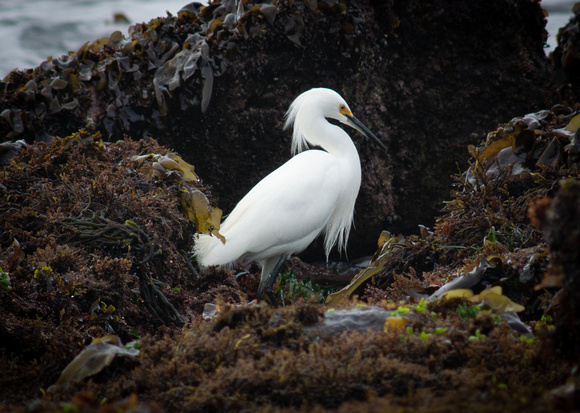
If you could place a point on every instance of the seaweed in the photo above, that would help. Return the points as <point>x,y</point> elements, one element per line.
<point>261,358</point>
<point>123,84</point>
<point>91,244</point>
<point>95,236</point>
<point>85,221</point>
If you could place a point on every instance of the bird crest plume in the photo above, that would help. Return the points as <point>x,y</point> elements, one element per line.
<point>299,142</point>
<point>302,112</point>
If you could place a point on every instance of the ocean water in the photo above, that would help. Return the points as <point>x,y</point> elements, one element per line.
<point>559,13</point>
<point>32,30</point>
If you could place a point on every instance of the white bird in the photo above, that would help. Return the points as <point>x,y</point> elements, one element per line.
<point>314,192</point>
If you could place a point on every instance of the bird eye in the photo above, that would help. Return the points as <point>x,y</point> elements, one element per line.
<point>344,110</point>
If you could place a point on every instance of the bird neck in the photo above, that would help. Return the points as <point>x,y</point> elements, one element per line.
<point>339,144</point>
<point>332,138</point>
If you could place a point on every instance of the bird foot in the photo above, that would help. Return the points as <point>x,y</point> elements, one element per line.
<point>268,296</point>
<point>272,299</point>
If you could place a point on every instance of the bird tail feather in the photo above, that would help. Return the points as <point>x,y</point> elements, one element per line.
<point>209,250</point>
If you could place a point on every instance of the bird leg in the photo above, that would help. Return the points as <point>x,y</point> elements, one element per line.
<point>267,286</point>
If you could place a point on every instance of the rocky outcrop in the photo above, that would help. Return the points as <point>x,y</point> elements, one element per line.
<point>214,83</point>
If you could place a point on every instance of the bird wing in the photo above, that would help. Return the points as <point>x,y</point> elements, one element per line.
<point>285,211</point>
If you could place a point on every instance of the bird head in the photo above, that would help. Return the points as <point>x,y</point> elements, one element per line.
<point>346,117</point>
<point>322,103</point>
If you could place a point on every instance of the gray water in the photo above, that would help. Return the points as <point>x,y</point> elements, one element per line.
<point>32,30</point>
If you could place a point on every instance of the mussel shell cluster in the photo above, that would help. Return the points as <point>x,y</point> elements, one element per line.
<point>128,84</point>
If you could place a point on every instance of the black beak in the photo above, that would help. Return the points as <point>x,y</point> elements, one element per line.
<point>358,125</point>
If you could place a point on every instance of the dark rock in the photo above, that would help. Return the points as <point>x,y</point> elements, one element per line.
<point>561,225</point>
<point>427,79</point>
<point>566,60</point>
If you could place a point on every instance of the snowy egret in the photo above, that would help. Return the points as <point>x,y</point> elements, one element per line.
<point>314,191</point>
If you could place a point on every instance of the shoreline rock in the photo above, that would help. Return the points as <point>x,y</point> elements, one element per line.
<point>83,220</point>
<point>426,80</point>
